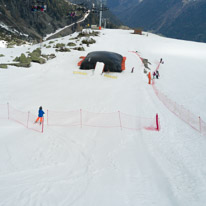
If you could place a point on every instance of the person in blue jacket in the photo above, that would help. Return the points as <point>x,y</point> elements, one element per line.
<point>40,115</point>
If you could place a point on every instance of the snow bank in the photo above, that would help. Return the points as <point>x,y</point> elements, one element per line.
<point>3,44</point>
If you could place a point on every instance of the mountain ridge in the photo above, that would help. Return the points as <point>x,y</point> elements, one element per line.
<point>179,19</point>
<point>17,15</point>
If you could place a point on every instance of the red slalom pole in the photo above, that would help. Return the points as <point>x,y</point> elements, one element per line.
<point>157,122</point>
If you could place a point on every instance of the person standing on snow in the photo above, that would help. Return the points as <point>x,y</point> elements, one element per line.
<point>40,115</point>
<point>161,61</point>
<point>149,77</point>
<point>157,74</point>
<point>154,75</point>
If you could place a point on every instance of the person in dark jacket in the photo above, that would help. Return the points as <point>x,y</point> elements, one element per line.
<point>157,74</point>
<point>40,115</point>
<point>154,75</point>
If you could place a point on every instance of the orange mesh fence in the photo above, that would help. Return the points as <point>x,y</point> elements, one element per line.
<point>105,120</point>
<point>18,116</point>
<point>202,127</point>
<point>24,118</point>
<point>137,123</point>
<point>68,118</point>
<point>4,111</point>
<point>187,116</point>
<point>158,66</point>
<point>79,118</point>
<point>138,56</point>
<point>100,119</point>
<point>34,126</point>
<point>180,111</point>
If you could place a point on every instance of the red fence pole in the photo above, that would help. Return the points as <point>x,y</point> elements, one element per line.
<point>157,122</point>
<point>120,122</point>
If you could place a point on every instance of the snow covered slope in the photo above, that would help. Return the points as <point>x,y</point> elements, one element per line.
<point>105,166</point>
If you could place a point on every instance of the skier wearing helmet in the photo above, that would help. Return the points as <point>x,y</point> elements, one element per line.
<point>40,115</point>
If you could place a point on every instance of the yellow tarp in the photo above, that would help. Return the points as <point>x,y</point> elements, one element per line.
<point>82,73</point>
<point>110,76</point>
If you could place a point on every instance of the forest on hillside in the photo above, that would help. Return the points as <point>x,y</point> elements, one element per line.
<point>18,15</point>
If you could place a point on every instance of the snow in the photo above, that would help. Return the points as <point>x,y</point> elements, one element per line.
<point>11,29</point>
<point>3,44</point>
<point>105,166</point>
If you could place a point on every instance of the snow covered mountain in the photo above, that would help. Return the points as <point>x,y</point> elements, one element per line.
<point>182,19</point>
<point>77,160</point>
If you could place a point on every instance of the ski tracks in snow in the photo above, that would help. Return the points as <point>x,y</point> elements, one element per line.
<point>174,153</point>
<point>139,173</point>
<point>63,166</point>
